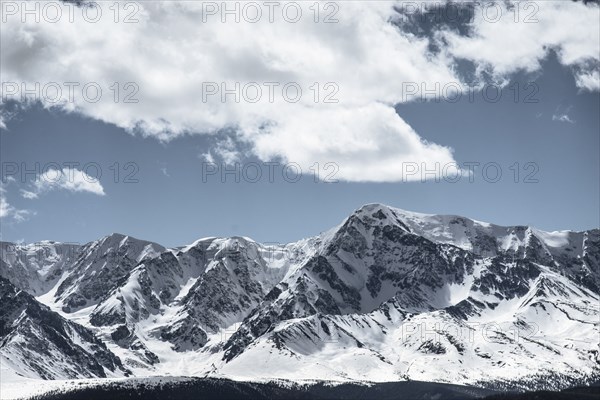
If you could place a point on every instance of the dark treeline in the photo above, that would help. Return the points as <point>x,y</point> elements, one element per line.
<point>222,389</point>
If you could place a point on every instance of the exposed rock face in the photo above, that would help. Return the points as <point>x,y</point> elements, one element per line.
<point>99,267</point>
<point>41,343</point>
<point>36,267</point>
<point>383,296</point>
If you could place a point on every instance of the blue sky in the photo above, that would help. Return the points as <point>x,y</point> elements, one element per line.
<point>554,139</point>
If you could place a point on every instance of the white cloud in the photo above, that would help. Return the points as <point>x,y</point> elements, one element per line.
<point>562,118</point>
<point>501,46</point>
<point>26,194</point>
<point>381,156</point>
<point>70,179</point>
<point>22,215</point>
<point>207,157</point>
<point>227,150</point>
<point>9,212</point>
<point>5,116</point>
<point>562,114</point>
<point>588,80</point>
<point>5,208</point>
<point>171,53</point>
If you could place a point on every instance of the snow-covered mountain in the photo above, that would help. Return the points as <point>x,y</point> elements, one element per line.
<point>98,268</point>
<point>36,267</point>
<point>37,342</point>
<point>387,295</point>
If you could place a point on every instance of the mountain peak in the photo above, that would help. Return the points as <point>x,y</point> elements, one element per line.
<point>374,210</point>
<point>374,207</point>
<point>118,240</point>
<point>377,214</point>
<point>379,208</point>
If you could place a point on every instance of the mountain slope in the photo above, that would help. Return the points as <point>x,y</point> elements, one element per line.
<point>396,300</point>
<point>181,297</point>
<point>37,342</point>
<point>100,266</point>
<point>36,267</point>
<point>387,295</point>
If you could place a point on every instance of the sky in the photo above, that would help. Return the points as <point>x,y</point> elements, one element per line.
<point>492,115</point>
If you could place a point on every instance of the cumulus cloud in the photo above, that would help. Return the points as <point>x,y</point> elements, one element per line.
<point>4,206</point>
<point>588,80</point>
<point>382,155</point>
<point>9,212</point>
<point>226,149</point>
<point>70,179</point>
<point>5,116</point>
<point>500,46</point>
<point>350,73</point>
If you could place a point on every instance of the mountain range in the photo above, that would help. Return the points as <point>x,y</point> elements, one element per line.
<point>388,295</point>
